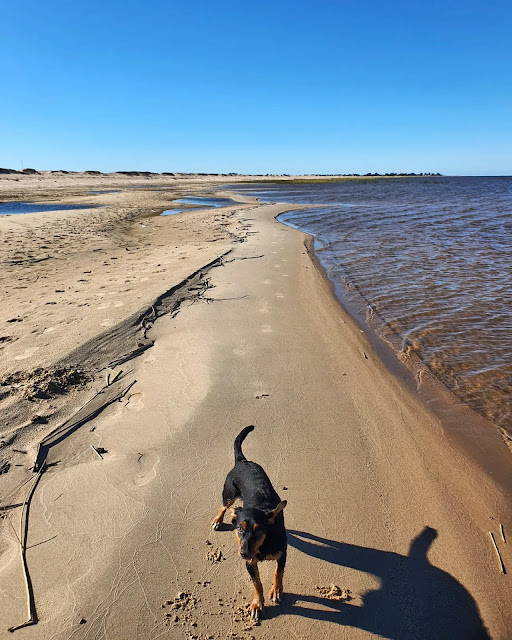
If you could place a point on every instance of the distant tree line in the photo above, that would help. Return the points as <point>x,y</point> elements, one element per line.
<point>283,175</point>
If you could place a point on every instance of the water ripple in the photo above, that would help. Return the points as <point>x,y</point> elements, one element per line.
<point>432,259</point>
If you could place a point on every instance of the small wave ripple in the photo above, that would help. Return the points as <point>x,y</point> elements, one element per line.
<point>432,260</point>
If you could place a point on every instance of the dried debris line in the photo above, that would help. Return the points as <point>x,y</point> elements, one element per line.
<point>190,289</point>
<point>105,397</point>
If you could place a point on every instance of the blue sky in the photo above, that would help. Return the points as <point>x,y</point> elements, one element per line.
<point>292,87</point>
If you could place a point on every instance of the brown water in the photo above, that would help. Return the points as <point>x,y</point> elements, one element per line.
<point>431,261</point>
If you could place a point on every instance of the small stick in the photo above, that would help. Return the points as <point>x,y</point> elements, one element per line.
<point>502,566</point>
<point>32,614</point>
<point>502,530</point>
<point>11,506</point>
<point>96,451</point>
<point>116,377</point>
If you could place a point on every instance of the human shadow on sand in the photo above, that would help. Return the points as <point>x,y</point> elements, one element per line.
<point>416,601</point>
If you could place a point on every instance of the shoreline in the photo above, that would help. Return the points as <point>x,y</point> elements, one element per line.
<point>365,465</point>
<point>480,439</point>
<point>477,436</point>
<point>460,354</point>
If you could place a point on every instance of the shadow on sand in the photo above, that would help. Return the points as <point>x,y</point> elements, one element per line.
<point>416,601</point>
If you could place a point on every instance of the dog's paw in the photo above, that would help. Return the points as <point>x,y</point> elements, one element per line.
<point>257,610</point>
<point>216,524</point>
<point>275,594</point>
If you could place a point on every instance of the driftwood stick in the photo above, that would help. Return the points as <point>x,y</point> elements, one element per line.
<point>11,506</point>
<point>502,531</point>
<point>500,561</point>
<point>96,451</point>
<point>31,605</point>
<point>116,376</point>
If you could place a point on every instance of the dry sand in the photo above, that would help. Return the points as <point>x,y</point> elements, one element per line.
<point>388,520</point>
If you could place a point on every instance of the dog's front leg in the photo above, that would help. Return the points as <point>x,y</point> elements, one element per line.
<point>258,600</point>
<point>219,518</point>
<point>277,585</point>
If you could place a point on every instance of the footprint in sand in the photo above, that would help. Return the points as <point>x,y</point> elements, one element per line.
<point>147,463</point>
<point>27,353</point>
<point>277,266</point>
<point>284,275</point>
<point>264,307</point>
<point>267,282</point>
<point>266,328</point>
<point>280,296</point>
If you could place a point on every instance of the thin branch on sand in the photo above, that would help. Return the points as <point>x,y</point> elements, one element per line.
<point>96,451</point>
<point>500,561</point>
<point>117,374</point>
<point>11,506</point>
<point>244,258</point>
<point>31,605</point>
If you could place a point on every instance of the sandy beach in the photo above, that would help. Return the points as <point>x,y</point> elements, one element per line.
<point>133,349</point>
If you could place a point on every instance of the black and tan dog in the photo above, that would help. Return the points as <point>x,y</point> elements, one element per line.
<point>259,524</point>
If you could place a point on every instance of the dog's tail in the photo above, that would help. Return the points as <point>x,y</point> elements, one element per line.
<point>238,443</point>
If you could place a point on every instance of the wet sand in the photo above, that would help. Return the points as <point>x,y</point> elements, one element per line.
<point>380,502</point>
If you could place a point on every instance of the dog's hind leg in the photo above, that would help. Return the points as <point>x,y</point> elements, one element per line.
<point>258,600</point>
<point>277,585</point>
<point>229,494</point>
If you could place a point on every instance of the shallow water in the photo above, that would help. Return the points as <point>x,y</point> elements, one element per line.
<point>10,208</point>
<point>430,261</point>
<point>206,201</point>
<point>203,202</point>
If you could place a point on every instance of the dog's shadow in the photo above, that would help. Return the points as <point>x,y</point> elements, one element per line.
<point>416,600</point>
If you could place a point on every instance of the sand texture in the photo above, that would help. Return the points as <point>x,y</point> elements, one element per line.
<point>218,319</point>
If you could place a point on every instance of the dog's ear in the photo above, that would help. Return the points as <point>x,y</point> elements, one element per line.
<point>271,515</point>
<point>234,514</point>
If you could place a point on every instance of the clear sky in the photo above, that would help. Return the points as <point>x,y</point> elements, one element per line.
<point>281,86</point>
